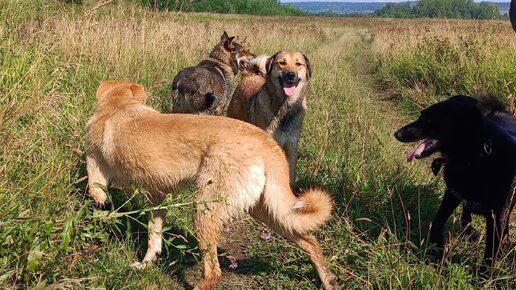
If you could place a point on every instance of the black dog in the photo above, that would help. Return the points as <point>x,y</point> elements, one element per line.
<point>477,140</point>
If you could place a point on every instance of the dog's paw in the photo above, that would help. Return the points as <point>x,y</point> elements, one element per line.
<point>470,234</point>
<point>435,255</point>
<point>106,205</point>
<point>331,282</point>
<point>100,198</point>
<point>140,265</point>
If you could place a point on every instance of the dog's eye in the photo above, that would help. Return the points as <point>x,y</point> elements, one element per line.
<point>282,62</point>
<point>298,64</point>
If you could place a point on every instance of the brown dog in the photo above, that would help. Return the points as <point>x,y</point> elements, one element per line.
<point>205,88</point>
<point>236,166</point>
<point>253,78</point>
<point>275,102</point>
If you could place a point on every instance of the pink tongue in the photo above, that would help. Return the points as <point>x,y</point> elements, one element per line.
<point>289,91</point>
<point>413,153</point>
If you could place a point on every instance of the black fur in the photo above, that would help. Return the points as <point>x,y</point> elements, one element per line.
<point>477,140</point>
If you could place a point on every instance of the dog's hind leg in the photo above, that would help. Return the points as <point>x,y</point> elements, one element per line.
<point>308,243</point>
<point>98,174</point>
<point>209,226</point>
<point>155,227</point>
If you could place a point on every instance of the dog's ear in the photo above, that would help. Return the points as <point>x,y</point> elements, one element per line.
<point>224,36</point>
<point>139,92</point>
<point>308,66</point>
<point>104,87</point>
<point>229,44</point>
<point>270,62</point>
<point>472,115</point>
<point>466,121</point>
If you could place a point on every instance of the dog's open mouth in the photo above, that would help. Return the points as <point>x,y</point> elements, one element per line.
<point>289,87</point>
<point>242,64</point>
<point>425,149</point>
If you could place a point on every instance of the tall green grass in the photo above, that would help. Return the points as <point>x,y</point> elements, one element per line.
<point>444,59</point>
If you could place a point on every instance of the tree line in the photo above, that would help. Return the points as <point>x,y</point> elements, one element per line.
<point>466,9</point>
<point>256,7</point>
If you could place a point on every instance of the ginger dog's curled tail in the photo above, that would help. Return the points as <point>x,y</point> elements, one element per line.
<point>312,209</point>
<point>301,214</point>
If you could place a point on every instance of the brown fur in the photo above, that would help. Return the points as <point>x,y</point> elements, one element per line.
<point>205,88</point>
<point>250,83</point>
<point>262,101</point>
<point>236,166</point>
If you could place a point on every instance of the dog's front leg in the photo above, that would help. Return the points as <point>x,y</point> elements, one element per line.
<point>156,222</point>
<point>209,227</point>
<point>98,174</point>
<point>448,205</point>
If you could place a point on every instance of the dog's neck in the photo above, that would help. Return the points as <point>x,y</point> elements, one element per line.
<point>477,149</point>
<point>281,105</point>
<point>222,56</point>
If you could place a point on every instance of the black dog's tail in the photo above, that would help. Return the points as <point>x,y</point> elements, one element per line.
<point>489,104</point>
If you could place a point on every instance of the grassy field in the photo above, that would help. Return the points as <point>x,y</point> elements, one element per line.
<point>370,77</point>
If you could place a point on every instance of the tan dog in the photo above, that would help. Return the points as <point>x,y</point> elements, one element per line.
<point>275,102</point>
<point>206,87</point>
<point>236,166</point>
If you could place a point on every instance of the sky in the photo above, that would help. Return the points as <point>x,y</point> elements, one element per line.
<point>287,1</point>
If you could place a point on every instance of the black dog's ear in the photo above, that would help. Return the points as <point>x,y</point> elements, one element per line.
<point>308,66</point>
<point>270,62</point>
<point>469,121</point>
<point>224,36</point>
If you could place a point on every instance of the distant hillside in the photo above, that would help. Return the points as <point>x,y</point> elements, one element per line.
<point>338,7</point>
<point>504,7</point>
<point>357,7</point>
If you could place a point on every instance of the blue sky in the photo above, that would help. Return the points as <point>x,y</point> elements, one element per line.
<point>286,1</point>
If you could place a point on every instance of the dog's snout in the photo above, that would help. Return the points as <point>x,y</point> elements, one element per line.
<point>290,76</point>
<point>398,135</point>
